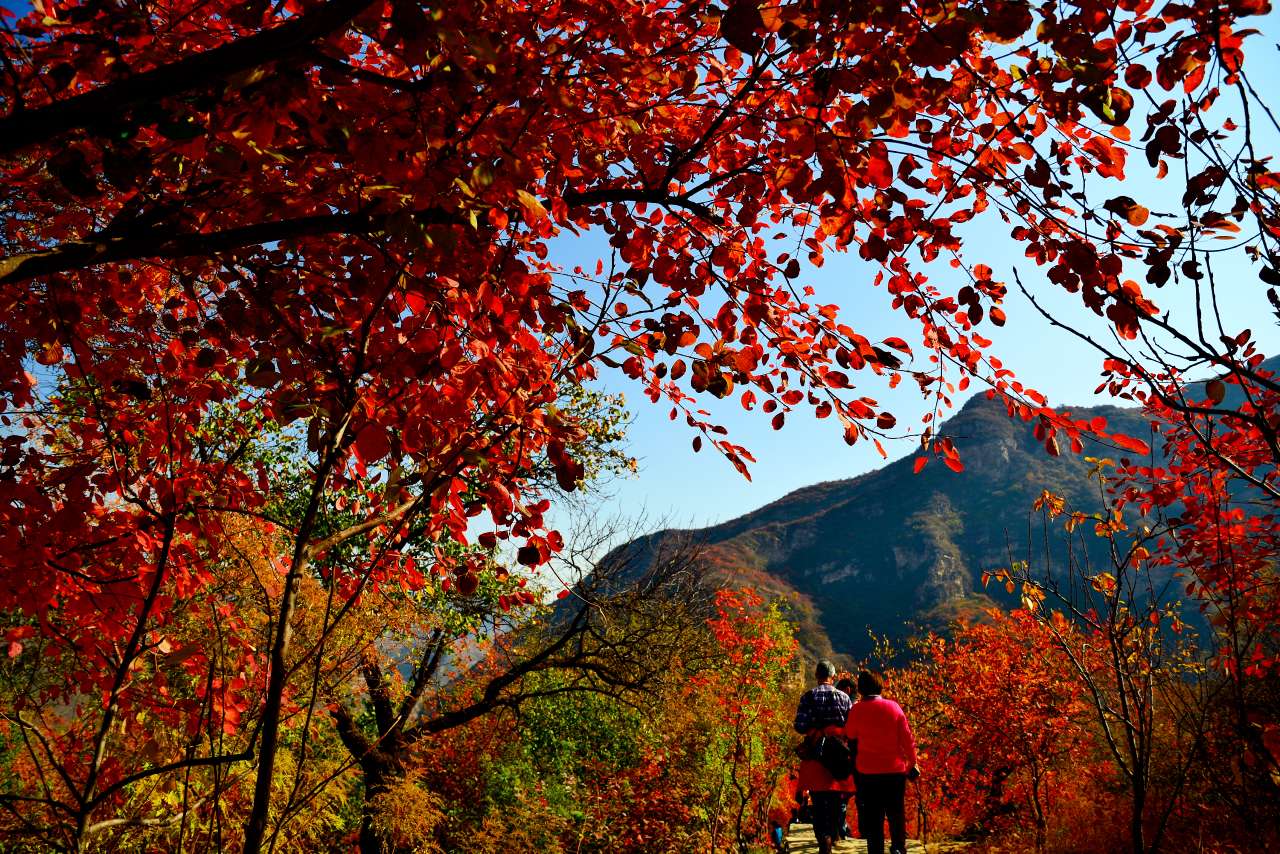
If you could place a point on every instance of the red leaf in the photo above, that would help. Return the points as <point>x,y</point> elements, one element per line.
<point>372,443</point>
<point>740,25</point>
<point>879,171</point>
<point>1128,209</point>
<point>1131,444</point>
<point>468,583</point>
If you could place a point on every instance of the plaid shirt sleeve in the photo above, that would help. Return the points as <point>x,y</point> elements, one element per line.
<point>821,707</point>
<point>804,712</point>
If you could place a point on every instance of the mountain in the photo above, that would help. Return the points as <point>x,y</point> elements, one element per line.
<point>892,550</point>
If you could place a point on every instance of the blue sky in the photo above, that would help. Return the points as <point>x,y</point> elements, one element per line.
<point>682,488</point>
<point>678,487</point>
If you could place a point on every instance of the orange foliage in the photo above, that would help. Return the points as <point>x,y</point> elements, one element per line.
<point>1007,748</point>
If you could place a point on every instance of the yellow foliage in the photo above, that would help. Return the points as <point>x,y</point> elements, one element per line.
<point>406,817</point>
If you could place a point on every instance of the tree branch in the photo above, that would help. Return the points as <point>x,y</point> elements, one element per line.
<point>491,697</point>
<point>423,673</point>
<point>27,127</point>
<point>101,248</point>
<point>626,194</point>
<point>349,733</point>
<point>378,694</point>
<point>245,755</point>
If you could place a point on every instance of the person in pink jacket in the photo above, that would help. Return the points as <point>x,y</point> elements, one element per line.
<point>886,759</point>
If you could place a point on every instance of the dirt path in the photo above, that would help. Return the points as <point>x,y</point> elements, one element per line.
<point>802,841</point>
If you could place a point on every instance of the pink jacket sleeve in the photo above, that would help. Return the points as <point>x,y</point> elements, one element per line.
<point>906,741</point>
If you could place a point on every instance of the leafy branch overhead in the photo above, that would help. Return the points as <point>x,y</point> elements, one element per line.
<point>250,245</point>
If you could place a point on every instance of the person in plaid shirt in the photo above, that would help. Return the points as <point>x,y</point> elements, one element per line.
<point>822,711</point>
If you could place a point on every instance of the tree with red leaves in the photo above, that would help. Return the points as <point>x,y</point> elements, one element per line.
<point>1178,698</point>
<point>333,218</point>
<point>1005,727</point>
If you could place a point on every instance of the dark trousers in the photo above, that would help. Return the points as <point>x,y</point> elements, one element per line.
<point>828,814</point>
<point>882,796</point>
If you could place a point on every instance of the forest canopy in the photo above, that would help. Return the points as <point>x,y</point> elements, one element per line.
<point>290,381</point>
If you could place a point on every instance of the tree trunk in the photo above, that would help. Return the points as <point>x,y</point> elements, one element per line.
<point>381,769</point>
<point>380,774</point>
<point>256,828</point>
<point>375,782</point>
<point>1038,810</point>
<point>1135,820</point>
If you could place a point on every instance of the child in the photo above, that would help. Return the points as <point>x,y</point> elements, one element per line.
<point>782,811</point>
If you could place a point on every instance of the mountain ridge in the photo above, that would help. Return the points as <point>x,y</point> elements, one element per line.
<point>890,550</point>
<point>890,547</point>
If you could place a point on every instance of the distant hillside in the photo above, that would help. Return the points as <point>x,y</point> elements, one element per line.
<point>891,550</point>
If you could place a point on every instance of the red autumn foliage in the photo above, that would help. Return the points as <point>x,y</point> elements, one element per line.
<point>1008,748</point>
<point>331,219</point>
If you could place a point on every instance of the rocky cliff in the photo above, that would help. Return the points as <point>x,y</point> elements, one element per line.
<point>891,551</point>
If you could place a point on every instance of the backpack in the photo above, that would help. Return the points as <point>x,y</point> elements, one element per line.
<point>836,755</point>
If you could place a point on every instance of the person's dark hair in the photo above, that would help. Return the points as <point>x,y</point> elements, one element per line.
<point>824,671</point>
<point>845,685</point>
<point>870,683</point>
